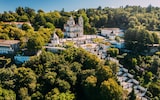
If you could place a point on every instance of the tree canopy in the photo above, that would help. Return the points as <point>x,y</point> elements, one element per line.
<point>52,76</point>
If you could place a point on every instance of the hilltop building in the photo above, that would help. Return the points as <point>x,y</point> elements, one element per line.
<point>73,30</point>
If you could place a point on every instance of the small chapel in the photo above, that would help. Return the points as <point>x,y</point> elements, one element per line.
<point>54,40</point>
<point>72,29</point>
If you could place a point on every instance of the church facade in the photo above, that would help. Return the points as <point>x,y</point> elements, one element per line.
<point>72,29</point>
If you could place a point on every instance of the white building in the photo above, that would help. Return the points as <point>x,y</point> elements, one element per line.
<point>9,46</point>
<point>111,33</point>
<point>72,30</point>
<point>54,49</point>
<point>55,39</point>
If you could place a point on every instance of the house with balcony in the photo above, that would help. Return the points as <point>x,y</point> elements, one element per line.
<point>9,46</point>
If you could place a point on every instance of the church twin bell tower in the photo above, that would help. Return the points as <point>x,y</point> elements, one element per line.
<point>72,29</point>
<point>80,21</point>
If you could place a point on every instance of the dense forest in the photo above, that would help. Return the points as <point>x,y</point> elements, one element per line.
<point>75,73</point>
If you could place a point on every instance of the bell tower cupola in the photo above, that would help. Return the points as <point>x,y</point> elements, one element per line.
<point>71,21</point>
<point>80,21</point>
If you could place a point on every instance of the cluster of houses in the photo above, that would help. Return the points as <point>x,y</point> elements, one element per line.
<point>128,83</point>
<point>86,42</point>
<point>96,49</point>
<point>74,32</point>
<point>10,47</point>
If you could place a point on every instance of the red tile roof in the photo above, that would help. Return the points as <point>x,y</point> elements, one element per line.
<point>8,42</point>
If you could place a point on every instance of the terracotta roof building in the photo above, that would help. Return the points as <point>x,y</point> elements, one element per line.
<point>9,46</point>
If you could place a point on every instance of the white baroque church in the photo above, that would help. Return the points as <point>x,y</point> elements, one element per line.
<point>72,29</point>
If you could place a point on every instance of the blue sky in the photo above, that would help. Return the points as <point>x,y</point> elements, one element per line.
<point>69,5</point>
